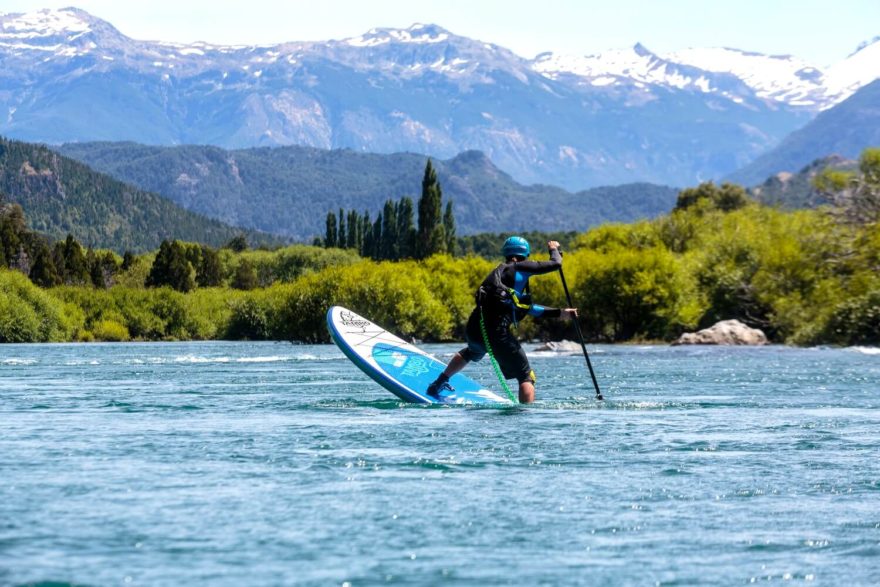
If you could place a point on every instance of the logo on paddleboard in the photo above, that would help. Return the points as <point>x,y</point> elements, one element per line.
<point>415,366</point>
<point>397,361</point>
<point>353,320</point>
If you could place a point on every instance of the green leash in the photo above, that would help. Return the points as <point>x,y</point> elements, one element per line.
<point>493,361</point>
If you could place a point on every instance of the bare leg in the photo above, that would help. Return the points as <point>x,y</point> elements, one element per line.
<point>526,392</point>
<point>455,365</point>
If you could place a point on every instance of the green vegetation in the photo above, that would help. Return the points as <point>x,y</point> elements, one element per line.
<point>804,277</point>
<point>488,244</point>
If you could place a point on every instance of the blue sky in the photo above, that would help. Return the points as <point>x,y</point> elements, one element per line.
<point>817,30</point>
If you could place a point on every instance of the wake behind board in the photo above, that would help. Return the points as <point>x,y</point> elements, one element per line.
<point>398,366</point>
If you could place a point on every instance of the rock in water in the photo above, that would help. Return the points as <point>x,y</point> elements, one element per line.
<point>724,332</point>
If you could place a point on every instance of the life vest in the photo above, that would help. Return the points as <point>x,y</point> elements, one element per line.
<point>498,298</point>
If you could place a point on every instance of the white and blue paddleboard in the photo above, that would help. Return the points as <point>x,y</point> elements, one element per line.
<point>398,366</point>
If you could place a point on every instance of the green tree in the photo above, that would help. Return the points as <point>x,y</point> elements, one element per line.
<point>330,234</point>
<point>449,229</point>
<point>76,270</point>
<point>366,247</point>
<point>245,276</point>
<point>96,277</point>
<point>172,268</point>
<point>406,231</point>
<point>237,244</point>
<point>127,260</point>
<point>390,245</point>
<point>727,197</point>
<point>43,271</point>
<point>354,236</point>
<point>12,228</point>
<point>341,239</point>
<point>210,271</point>
<point>430,238</point>
<point>634,294</point>
<point>376,240</point>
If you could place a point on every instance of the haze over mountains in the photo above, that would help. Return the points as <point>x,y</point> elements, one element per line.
<point>622,116</point>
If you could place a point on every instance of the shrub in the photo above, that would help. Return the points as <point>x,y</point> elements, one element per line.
<point>110,331</point>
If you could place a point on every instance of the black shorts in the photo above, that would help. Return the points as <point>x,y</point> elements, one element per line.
<point>506,348</point>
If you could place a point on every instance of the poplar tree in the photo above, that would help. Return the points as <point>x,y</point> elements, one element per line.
<point>449,229</point>
<point>430,238</point>
<point>406,232</point>
<point>376,253</point>
<point>340,235</point>
<point>354,225</point>
<point>330,233</point>
<point>366,232</point>
<point>390,247</point>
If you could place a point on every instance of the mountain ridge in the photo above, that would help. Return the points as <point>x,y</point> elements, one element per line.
<point>844,130</point>
<point>73,77</point>
<point>289,190</point>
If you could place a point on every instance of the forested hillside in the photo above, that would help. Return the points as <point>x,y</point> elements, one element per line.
<point>287,190</point>
<point>61,196</point>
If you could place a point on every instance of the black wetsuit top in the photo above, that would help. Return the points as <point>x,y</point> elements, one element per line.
<point>499,312</point>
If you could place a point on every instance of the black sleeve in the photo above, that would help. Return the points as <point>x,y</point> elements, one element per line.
<point>541,267</point>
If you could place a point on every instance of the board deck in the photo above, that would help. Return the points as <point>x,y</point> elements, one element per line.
<point>398,366</point>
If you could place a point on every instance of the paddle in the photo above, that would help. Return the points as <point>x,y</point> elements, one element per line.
<point>577,328</point>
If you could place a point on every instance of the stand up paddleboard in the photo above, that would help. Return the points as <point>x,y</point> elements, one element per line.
<point>398,366</point>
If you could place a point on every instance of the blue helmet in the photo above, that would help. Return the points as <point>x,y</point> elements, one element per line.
<point>516,246</point>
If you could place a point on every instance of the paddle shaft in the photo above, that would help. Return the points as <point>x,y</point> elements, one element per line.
<point>577,328</point>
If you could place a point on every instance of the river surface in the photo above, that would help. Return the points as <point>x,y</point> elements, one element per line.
<point>274,464</point>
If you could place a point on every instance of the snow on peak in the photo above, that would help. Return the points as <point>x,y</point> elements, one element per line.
<point>788,79</point>
<point>44,23</point>
<point>776,77</point>
<point>417,33</point>
<point>619,62</point>
<point>635,64</point>
<point>861,68</point>
<point>865,44</point>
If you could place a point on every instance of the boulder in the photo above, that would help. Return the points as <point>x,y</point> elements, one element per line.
<point>724,332</point>
<point>563,346</point>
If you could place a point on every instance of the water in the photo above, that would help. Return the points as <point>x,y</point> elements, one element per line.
<point>269,464</point>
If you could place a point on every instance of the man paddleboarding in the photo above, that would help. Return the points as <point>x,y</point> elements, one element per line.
<point>502,300</point>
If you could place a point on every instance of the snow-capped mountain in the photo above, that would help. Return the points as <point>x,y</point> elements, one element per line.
<point>640,67</point>
<point>782,78</point>
<point>788,79</point>
<point>621,116</point>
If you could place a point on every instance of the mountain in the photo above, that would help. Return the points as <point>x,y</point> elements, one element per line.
<point>795,190</point>
<point>62,196</point>
<point>845,130</point>
<point>620,117</point>
<point>289,190</point>
<point>787,79</point>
